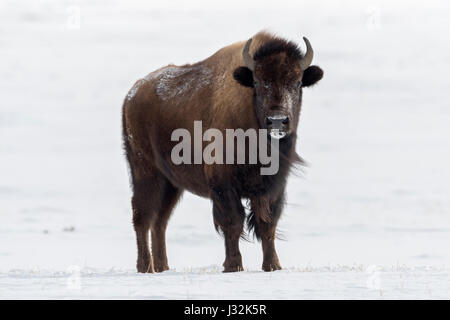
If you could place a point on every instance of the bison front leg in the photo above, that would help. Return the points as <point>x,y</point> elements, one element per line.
<point>229,216</point>
<point>263,220</point>
<point>270,257</point>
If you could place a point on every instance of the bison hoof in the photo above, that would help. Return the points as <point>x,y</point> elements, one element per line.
<point>271,267</point>
<point>143,267</point>
<point>233,264</point>
<point>145,270</point>
<point>233,269</point>
<point>161,268</point>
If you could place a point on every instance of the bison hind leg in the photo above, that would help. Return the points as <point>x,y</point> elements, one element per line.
<point>143,217</point>
<point>169,196</point>
<point>153,201</point>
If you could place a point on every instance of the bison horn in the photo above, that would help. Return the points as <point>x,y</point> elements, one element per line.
<point>246,55</point>
<point>305,62</point>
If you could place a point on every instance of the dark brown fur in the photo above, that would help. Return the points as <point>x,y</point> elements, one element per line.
<point>220,93</point>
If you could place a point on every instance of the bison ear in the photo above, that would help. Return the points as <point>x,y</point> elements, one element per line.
<point>244,76</point>
<point>311,75</point>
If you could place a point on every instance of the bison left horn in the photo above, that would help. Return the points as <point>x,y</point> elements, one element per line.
<point>248,61</point>
<point>305,62</point>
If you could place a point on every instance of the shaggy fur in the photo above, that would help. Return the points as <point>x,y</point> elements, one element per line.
<point>276,46</point>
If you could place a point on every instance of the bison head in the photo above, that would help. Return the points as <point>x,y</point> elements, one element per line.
<point>277,73</point>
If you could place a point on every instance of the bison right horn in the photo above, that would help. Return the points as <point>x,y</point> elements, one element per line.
<point>246,55</point>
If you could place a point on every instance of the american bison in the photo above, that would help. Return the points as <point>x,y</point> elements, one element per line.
<point>255,84</point>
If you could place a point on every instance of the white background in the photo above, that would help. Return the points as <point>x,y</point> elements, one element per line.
<point>368,218</point>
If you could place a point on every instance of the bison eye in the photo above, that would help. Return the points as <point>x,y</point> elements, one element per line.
<point>299,84</point>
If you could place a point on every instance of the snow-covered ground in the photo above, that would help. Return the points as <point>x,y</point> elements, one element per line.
<point>369,217</point>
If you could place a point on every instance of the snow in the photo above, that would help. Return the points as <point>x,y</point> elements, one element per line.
<point>209,283</point>
<point>193,78</point>
<point>368,218</point>
<point>135,88</point>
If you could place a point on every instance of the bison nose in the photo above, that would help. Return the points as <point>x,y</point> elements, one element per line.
<point>278,126</point>
<point>277,122</point>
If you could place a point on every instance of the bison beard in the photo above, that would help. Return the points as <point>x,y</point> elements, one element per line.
<point>241,86</point>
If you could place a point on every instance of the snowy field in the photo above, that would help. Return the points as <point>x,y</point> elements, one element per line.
<point>369,218</point>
